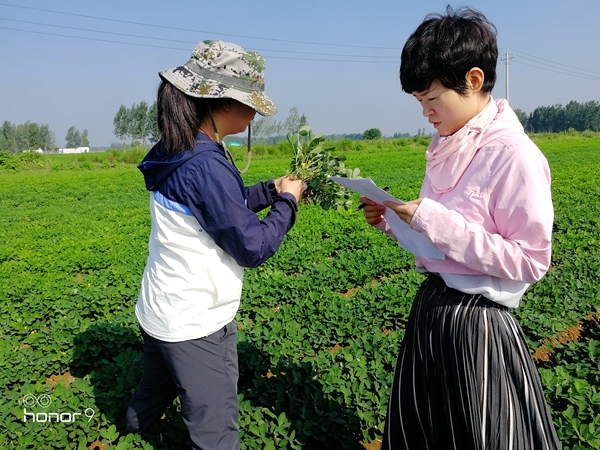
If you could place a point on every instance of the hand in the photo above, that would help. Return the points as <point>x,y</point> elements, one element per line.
<point>373,212</point>
<point>405,211</point>
<point>278,184</point>
<point>294,187</point>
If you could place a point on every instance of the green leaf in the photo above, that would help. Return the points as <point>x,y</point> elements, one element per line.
<point>304,130</point>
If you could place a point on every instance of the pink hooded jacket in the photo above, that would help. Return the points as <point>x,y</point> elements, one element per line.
<point>495,225</point>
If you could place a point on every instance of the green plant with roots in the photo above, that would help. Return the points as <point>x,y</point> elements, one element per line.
<point>313,163</point>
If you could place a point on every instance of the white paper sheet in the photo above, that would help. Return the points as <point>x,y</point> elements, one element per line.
<point>409,239</point>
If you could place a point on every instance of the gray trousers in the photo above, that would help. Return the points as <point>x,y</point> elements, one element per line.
<point>203,373</point>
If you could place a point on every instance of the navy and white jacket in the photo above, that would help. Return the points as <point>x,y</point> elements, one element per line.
<point>204,232</point>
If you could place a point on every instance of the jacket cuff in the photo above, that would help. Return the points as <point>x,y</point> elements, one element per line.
<point>272,189</point>
<point>422,215</point>
<point>288,198</point>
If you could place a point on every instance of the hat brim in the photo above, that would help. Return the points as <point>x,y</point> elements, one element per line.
<point>195,85</point>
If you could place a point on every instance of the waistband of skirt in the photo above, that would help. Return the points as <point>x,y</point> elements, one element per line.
<point>435,281</point>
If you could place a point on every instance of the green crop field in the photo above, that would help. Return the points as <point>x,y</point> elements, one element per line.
<point>320,322</point>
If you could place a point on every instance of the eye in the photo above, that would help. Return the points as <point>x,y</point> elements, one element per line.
<point>431,99</point>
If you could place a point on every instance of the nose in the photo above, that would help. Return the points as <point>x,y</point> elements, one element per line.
<point>427,111</point>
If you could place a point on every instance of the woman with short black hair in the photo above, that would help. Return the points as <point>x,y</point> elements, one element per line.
<point>465,378</point>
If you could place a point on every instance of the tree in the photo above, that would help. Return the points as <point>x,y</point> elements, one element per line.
<point>84,139</point>
<point>265,127</point>
<point>6,137</point>
<point>152,124</point>
<point>25,137</point>
<point>583,116</point>
<point>138,122</point>
<point>372,133</point>
<point>46,137</point>
<point>303,120</point>
<point>575,116</point>
<point>33,134</point>
<point>7,130</point>
<point>522,116</point>
<point>572,116</point>
<point>591,115</point>
<point>21,138</point>
<point>292,122</point>
<point>73,138</point>
<point>7,143</point>
<point>121,124</point>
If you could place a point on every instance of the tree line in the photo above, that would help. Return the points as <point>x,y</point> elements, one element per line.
<point>139,123</point>
<point>75,139</point>
<point>24,137</point>
<point>31,136</point>
<point>267,127</point>
<point>557,118</point>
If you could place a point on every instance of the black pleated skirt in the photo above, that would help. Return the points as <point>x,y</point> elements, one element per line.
<point>465,379</point>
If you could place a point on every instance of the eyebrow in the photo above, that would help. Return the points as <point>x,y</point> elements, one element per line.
<point>424,93</point>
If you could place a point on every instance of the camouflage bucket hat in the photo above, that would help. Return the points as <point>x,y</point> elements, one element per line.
<point>220,69</point>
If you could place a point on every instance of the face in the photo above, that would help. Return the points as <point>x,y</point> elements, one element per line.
<point>241,116</point>
<point>447,110</point>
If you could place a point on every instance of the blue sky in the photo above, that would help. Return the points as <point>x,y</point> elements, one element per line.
<point>73,63</point>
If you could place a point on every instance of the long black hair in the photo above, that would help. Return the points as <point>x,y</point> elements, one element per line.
<point>446,47</point>
<point>180,116</point>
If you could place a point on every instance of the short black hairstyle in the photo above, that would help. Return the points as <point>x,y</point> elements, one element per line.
<point>446,47</point>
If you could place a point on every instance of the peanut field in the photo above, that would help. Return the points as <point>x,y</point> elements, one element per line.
<point>320,322</point>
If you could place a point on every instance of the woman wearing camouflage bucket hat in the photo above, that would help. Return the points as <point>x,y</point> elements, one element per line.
<point>205,230</point>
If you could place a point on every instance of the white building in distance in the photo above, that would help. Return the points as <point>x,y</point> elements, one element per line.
<point>74,150</point>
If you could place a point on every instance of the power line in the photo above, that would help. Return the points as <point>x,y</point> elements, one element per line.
<point>572,74</point>
<point>552,63</point>
<point>95,31</point>
<point>571,71</point>
<point>186,49</point>
<point>198,31</point>
<point>93,39</point>
<point>394,58</point>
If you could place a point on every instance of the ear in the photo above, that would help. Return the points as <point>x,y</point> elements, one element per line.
<point>475,79</point>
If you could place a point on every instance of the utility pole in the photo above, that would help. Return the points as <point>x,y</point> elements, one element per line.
<point>506,60</point>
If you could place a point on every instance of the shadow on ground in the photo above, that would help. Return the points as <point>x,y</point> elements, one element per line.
<point>111,354</point>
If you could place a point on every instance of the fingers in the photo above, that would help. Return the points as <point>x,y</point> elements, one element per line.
<point>394,206</point>
<point>278,184</point>
<point>372,211</point>
<point>290,183</point>
<point>304,186</point>
<point>405,211</point>
<point>366,201</point>
<point>294,187</point>
<point>373,219</point>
